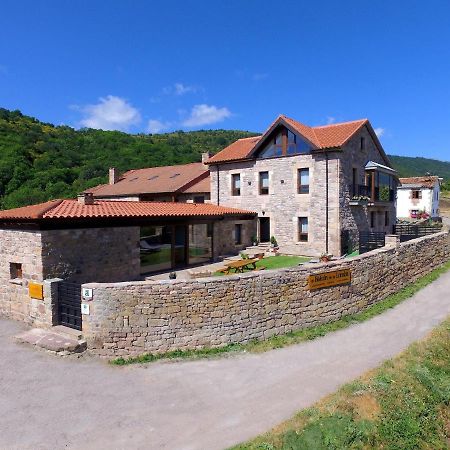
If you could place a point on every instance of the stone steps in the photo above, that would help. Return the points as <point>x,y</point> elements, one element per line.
<point>58,339</point>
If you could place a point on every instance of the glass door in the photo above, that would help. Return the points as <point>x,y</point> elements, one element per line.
<point>180,241</point>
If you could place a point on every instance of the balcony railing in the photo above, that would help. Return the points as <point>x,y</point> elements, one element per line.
<point>381,194</point>
<point>359,190</point>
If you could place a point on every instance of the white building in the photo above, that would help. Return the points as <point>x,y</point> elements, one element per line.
<point>417,195</point>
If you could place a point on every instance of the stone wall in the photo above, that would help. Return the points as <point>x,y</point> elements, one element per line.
<point>91,254</point>
<point>354,219</point>
<point>284,205</point>
<point>224,242</point>
<point>152,316</point>
<point>21,247</point>
<point>80,255</point>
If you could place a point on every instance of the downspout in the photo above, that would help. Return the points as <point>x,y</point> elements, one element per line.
<point>326,202</point>
<point>218,184</point>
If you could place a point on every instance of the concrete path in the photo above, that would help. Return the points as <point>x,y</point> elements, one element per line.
<point>48,402</point>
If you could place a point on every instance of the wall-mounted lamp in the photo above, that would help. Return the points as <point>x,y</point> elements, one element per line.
<point>263,213</point>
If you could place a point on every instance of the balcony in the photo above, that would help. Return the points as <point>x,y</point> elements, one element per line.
<point>359,195</point>
<point>363,195</point>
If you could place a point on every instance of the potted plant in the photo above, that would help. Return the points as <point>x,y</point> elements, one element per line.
<point>274,244</point>
<point>324,257</point>
<point>172,275</point>
<point>255,240</point>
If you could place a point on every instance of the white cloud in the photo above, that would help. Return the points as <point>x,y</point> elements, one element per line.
<point>379,131</point>
<point>259,76</point>
<point>156,126</point>
<point>179,89</point>
<point>330,120</point>
<point>206,114</point>
<point>110,113</point>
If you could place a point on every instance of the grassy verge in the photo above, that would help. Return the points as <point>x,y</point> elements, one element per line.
<point>403,405</point>
<point>275,262</point>
<point>295,337</point>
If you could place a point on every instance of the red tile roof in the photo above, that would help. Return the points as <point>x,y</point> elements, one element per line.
<point>200,187</point>
<point>322,137</point>
<point>72,209</point>
<point>425,182</point>
<point>153,180</point>
<point>237,150</point>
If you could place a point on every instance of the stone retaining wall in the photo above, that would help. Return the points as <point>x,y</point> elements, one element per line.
<point>133,318</point>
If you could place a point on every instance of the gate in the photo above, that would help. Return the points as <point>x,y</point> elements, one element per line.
<point>370,241</point>
<point>69,304</point>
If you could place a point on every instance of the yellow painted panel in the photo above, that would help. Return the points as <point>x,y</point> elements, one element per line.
<point>36,290</point>
<point>328,279</point>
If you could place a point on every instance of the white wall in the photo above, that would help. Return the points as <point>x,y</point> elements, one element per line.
<point>428,203</point>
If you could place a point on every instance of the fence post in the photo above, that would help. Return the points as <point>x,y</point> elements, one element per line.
<point>392,240</point>
<point>51,299</point>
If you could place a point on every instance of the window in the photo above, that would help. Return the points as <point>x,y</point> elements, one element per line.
<point>363,143</point>
<point>199,199</point>
<point>274,148</point>
<point>285,143</point>
<point>264,183</point>
<point>372,219</point>
<point>303,181</point>
<point>15,270</point>
<point>238,234</point>
<point>416,194</point>
<point>236,184</point>
<point>303,229</point>
<point>386,218</point>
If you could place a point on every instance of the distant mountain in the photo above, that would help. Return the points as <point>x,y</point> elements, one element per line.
<point>39,161</point>
<point>412,167</point>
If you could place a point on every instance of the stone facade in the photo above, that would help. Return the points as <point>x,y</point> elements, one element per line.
<point>224,242</point>
<point>156,316</point>
<point>79,255</point>
<point>91,254</point>
<point>284,205</point>
<point>357,218</point>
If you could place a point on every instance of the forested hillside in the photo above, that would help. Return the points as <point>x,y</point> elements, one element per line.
<point>39,161</point>
<point>411,167</point>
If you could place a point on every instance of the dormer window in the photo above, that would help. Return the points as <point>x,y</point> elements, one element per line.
<point>175,175</point>
<point>285,142</point>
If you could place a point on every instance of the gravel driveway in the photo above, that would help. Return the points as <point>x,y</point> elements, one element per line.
<point>49,402</point>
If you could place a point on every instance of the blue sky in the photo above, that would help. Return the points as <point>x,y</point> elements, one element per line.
<point>143,66</point>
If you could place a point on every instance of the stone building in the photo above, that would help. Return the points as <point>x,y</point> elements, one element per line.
<point>418,195</point>
<point>88,240</point>
<point>315,189</point>
<point>180,183</point>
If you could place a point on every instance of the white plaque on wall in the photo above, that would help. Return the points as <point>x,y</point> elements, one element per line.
<point>87,293</point>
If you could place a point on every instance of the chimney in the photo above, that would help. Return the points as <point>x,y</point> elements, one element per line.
<point>113,175</point>
<point>86,198</point>
<point>205,157</point>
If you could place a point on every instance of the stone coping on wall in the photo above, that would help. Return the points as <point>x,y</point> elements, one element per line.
<point>307,268</point>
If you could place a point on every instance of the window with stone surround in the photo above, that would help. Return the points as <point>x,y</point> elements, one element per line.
<point>303,181</point>
<point>303,229</point>
<point>15,270</point>
<point>236,184</point>
<point>264,183</point>
<point>416,194</point>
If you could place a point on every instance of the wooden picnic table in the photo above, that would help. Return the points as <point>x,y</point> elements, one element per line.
<point>242,264</point>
